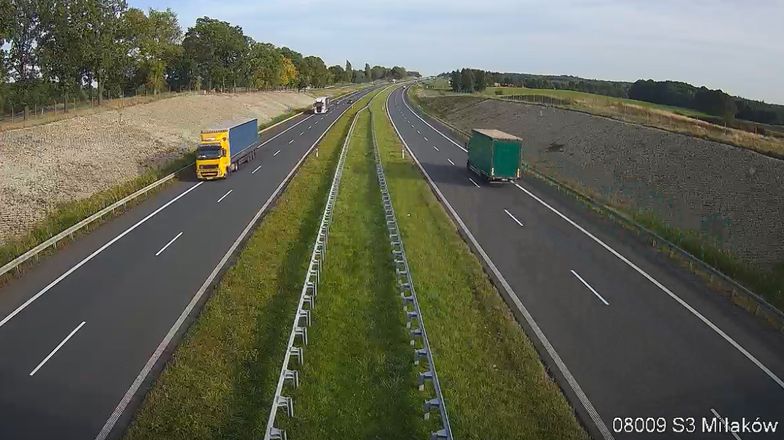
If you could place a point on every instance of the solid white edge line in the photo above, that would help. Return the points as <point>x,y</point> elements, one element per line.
<point>59,346</point>
<point>589,287</point>
<point>224,196</point>
<point>475,184</point>
<point>564,370</point>
<point>168,244</point>
<point>450,161</point>
<point>126,399</point>
<point>92,255</point>
<point>513,217</point>
<point>664,289</point>
<point>276,153</point>
<point>683,303</point>
<point>716,414</point>
<point>257,168</point>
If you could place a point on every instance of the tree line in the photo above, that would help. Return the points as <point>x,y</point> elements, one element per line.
<point>713,102</point>
<point>468,80</point>
<point>54,50</point>
<point>680,94</point>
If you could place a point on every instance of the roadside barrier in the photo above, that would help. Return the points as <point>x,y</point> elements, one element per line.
<point>298,338</point>
<point>414,319</point>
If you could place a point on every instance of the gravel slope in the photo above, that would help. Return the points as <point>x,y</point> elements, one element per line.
<point>74,158</point>
<point>731,194</point>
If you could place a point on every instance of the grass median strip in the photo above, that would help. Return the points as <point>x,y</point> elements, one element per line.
<point>358,380</point>
<point>494,383</point>
<point>220,380</point>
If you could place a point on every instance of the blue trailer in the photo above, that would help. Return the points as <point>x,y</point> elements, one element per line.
<point>224,148</point>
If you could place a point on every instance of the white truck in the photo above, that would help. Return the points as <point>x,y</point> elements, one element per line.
<point>321,105</point>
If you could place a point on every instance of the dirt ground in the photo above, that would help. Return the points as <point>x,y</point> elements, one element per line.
<point>74,158</point>
<point>734,195</point>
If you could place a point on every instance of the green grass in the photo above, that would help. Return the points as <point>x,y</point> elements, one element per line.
<point>67,214</point>
<point>358,380</point>
<point>589,97</point>
<point>220,381</point>
<point>494,383</point>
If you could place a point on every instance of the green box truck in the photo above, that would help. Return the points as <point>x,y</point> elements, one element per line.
<point>494,154</point>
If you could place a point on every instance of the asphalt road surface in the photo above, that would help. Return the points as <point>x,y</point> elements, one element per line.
<point>626,332</point>
<point>81,331</point>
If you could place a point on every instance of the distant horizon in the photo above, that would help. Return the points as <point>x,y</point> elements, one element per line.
<point>724,45</point>
<point>602,79</point>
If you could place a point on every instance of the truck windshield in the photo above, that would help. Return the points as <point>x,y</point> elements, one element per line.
<point>208,152</point>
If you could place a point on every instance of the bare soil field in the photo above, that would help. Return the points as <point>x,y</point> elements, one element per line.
<point>75,158</point>
<point>731,195</point>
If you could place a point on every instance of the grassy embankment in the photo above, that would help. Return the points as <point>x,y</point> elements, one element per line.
<point>675,119</point>
<point>767,283</point>
<point>358,380</point>
<point>494,382</point>
<point>220,380</point>
<point>69,213</point>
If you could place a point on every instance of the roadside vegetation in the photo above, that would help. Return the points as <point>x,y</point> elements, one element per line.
<point>358,381</point>
<point>220,381</point>
<point>675,119</point>
<point>494,382</point>
<point>769,284</point>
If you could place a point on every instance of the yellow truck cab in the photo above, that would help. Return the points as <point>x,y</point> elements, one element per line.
<point>222,149</point>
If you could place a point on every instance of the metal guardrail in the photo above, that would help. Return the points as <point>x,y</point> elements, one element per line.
<point>298,337</point>
<point>772,314</point>
<point>415,322</point>
<point>52,242</point>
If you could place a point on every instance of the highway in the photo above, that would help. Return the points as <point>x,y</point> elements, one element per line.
<point>84,332</point>
<point>625,331</point>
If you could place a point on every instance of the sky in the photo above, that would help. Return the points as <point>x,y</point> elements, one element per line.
<point>734,45</point>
